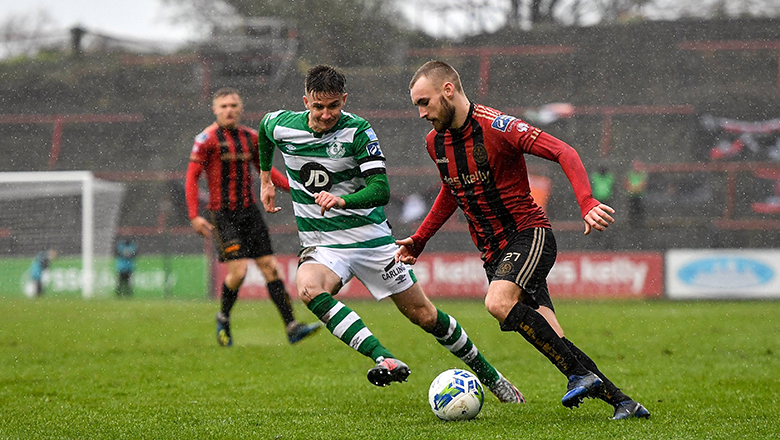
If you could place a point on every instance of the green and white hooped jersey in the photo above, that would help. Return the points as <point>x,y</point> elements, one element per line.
<point>335,161</point>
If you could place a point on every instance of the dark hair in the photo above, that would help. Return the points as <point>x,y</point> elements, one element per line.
<point>225,91</point>
<point>326,80</point>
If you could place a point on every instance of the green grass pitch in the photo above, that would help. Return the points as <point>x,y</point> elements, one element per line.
<point>151,369</point>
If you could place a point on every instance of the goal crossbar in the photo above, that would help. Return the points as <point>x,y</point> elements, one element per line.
<point>87,180</point>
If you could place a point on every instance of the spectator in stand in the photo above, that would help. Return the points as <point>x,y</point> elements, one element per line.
<point>603,185</point>
<point>636,185</point>
<point>226,150</point>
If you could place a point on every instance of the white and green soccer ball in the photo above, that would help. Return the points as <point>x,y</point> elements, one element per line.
<point>456,395</point>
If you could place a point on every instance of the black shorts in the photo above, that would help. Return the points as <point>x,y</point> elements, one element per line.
<point>241,234</point>
<point>526,261</point>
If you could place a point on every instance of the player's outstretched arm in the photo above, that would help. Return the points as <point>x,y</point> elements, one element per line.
<point>268,193</point>
<point>404,252</point>
<point>598,218</point>
<point>443,208</point>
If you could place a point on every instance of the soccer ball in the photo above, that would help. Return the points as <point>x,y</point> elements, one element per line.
<point>456,395</point>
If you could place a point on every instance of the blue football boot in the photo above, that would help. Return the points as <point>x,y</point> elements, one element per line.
<point>578,389</point>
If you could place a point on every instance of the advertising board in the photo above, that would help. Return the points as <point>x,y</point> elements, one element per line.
<point>722,274</point>
<point>460,275</point>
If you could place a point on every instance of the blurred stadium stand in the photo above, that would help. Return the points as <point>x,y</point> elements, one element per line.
<point>638,93</point>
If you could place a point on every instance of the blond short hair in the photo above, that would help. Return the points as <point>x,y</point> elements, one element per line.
<point>438,72</point>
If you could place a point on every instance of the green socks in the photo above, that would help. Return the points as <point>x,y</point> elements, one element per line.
<point>346,325</point>
<point>451,335</point>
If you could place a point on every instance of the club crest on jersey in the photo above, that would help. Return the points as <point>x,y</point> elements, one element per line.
<point>480,154</point>
<point>502,122</point>
<point>315,177</point>
<point>336,150</point>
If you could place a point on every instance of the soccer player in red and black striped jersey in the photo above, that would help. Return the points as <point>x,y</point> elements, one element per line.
<point>479,152</point>
<point>226,151</point>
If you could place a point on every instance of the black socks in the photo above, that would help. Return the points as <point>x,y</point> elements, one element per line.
<point>281,298</point>
<point>535,329</point>
<point>229,297</point>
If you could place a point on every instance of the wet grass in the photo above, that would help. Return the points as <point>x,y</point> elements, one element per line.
<point>150,369</point>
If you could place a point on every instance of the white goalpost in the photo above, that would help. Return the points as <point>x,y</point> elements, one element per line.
<point>71,212</point>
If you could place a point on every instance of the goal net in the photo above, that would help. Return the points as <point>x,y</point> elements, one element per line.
<point>70,212</point>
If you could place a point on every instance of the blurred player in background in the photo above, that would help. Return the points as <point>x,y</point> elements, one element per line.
<point>225,150</point>
<point>479,154</point>
<point>126,251</point>
<point>339,185</point>
<point>38,268</point>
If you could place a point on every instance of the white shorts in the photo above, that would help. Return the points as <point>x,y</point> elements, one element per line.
<point>375,267</point>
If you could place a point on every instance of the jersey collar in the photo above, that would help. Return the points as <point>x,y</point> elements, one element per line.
<point>466,122</point>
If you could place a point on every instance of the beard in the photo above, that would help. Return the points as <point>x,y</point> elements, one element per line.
<point>444,121</point>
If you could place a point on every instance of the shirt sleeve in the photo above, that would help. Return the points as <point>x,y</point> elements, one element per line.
<point>199,157</point>
<point>200,148</point>
<point>554,149</point>
<point>278,178</point>
<point>368,153</point>
<point>191,188</point>
<point>441,211</point>
<point>265,146</point>
<point>376,193</point>
<point>371,161</point>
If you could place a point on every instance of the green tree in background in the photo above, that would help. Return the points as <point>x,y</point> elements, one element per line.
<point>348,33</point>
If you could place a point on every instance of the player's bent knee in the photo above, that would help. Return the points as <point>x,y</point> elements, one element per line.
<point>497,307</point>
<point>233,283</point>
<point>306,295</point>
<point>307,290</point>
<point>424,318</point>
<point>237,271</point>
<point>267,266</point>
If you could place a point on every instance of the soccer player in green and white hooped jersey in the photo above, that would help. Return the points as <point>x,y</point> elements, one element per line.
<point>338,185</point>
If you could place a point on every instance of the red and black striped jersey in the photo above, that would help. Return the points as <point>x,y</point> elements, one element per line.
<point>226,155</point>
<point>482,167</point>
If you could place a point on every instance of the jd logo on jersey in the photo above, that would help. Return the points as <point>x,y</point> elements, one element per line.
<point>316,178</point>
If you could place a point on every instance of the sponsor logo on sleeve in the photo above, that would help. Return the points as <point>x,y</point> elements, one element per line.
<point>371,135</point>
<point>502,122</point>
<point>273,115</point>
<point>373,149</point>
<point>522,127</point>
